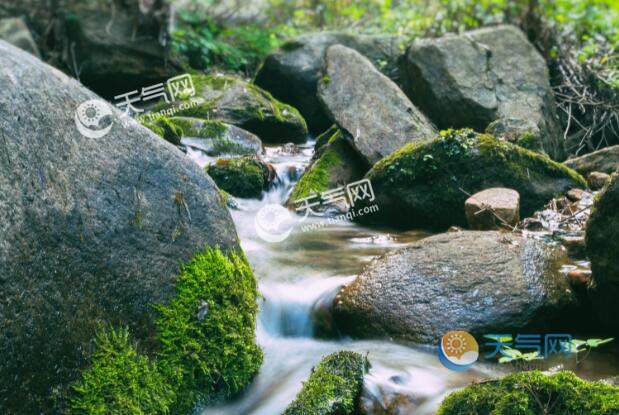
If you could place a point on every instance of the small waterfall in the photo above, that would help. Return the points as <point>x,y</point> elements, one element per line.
<point>286,310</point>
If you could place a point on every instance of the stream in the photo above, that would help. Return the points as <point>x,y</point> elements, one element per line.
<point>308,268</point>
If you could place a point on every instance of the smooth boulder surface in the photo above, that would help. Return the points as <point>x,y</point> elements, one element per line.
<point>605,160</point>
<point>488,78</point>
<point>92,230</point>
<point>232,100</point>
<point>597,180</point>
<point>471,280</point>
<point>426,184</point>
<point>493,208</point>
<point>292,73</point>
<point>602,240</point>
<point>368,105</point>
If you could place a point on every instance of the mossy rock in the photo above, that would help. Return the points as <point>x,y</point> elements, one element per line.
<point>216,138</point>
<point>244,177</point>
<point>164,128</point>
<point>426,184</point>
<point>335,164</point>
<point>206,346</point>
<point>602,240</point>
<point>324,138</point>
<point>234,101</point>
<point>333,388</point>
<point>532,393</point>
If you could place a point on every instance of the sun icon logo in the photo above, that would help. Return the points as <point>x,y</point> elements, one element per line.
<point>458,350</point>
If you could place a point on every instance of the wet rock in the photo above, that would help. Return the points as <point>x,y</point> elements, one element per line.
<point>579,277</point>
<point>605,160</point>
<point>292,73</point>
<point>216,138</point>
<point>575,194</point>
<point>15,31</point>
<point>335,165</point>
<point>388,397</point>
<point>597,180</point>
<point>475,281</point>
<point>426,185</point>
<point>333,388</point>
<point>603,250</point>
<point>92,230</point>
<point>244,177</point>
<point>488,78</point>
<point>234,101</point>
<point>378,116</point>
<point>493,208</point>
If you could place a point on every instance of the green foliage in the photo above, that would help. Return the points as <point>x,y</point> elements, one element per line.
<point>120,380</point>
<point>240,176</point>
<point>207,44</point>
<point>333,388</point>
<point>207,331</point>
<point>532,393</point>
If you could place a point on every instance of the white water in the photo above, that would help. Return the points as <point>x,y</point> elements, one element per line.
<point>305,268</point>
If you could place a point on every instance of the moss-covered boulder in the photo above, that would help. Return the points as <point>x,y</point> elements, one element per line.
<point>426,184</point>
<point>205,346</point>
<point>529,393</point>
<point>164,128</point>
<point>234,101</point>
<point>335,164</point>
<point>605,160</point>
<point>333,388</point>
<point>242,176</point>
<point>602,240</point>
<point>216,138</point>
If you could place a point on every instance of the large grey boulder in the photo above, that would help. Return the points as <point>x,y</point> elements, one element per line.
<point>368,105</point>
<point>291,74</point>
<point>92,230</point>
<point>490,78</point>
<point>602,241</point>
<point>605,160</point>
<point>475,281</point>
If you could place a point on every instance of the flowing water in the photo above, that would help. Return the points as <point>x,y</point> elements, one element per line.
<point>307,269</point>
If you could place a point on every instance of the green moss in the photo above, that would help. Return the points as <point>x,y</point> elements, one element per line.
<point>207,349</point>
<point>333,388</point>
<point>318,178</point>
<point>532,393</point>
<point>207,331</point>
<point>193,127</point>
<point>426,184</point>
<point>530,141</point>
<point>120,380</point>
<point>240,176</point>
<point>165,128</point>
<point>324,138</point>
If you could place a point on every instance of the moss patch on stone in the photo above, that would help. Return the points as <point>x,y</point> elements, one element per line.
<point>529,393</point>
<point>165,128</point>
<point>240,176</point>
<point>206,346</point>
<point>324,138</point>
<point>426,183</point>
<point>207,332</point>
<point>336,164</point>
<point>120,380</point>
<point>235,101</point>
<point>333,388</point>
